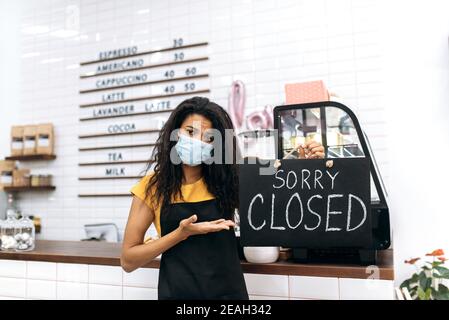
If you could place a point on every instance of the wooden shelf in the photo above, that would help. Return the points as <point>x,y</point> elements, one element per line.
<point>84,164</point>
<point>100,135</point>
<point>118,147</point>
<point>23,189</point>
<point>127,115</point>
<point>109,178</point>
<point>108,253</point>
<point>33,157</point>
<point>104,195</point>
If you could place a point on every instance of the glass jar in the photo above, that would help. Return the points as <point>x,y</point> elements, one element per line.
<point>8,231</point>
<point>1,229</point>
<point>35,181</point>
<point>26,234</point>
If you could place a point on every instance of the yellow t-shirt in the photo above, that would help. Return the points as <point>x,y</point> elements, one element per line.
<point>193,192</point>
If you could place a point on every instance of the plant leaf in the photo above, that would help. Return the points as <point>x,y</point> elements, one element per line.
<point>421,294</point>
<point>443,272</point>
<point>436,263</point>
<point>405,284</point>
<point>424,281</point>
<point>428,293</point>
<point>410,283</point>
<point>442,293</point>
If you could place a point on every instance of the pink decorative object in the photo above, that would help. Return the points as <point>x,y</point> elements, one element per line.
<point>306,92</point>
<point>260,119</point>
<point>236,103</point>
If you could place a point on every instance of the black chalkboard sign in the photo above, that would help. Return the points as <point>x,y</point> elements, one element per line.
<point>304,204</point>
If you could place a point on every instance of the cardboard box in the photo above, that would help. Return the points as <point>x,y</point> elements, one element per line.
<point>5,179</point>
<point>29,140</point>
<point>45,139</point>
<point>6,170</point>
<point>17,140</point>
<point>306,92</point>
<point>7,165</point>
<point>21,178</point>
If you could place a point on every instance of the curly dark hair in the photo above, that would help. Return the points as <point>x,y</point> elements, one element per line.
<point>221,179</point>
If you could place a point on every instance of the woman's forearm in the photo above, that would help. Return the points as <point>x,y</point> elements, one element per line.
<point>139,255</point>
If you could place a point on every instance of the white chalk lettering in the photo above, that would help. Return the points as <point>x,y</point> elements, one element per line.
<point>288,179</point>
<point>304,180</point>
<point>329,212</point>
<point>348,226</point>
<point>332,177</point>
<point>295,195</point>
<point>279,178</point>
<point>272,215</point>
<point>250,209</point>
<point>318,176</point>
<point>313,212</point>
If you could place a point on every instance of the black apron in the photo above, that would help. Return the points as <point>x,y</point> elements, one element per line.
<point>203,266</point>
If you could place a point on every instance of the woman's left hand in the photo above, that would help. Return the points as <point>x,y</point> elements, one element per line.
<point>311,150</point>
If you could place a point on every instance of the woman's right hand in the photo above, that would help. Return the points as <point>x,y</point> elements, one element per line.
<point>188,227</point>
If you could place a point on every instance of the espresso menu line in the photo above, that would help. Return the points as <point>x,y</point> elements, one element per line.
<point>145,53</point>
<point>151,66</point>
<point>144,98</point>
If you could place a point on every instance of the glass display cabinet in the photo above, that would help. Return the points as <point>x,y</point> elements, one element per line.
<point>336,127</point>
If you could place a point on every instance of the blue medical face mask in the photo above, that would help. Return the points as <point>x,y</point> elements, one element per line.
<point>193,151</point>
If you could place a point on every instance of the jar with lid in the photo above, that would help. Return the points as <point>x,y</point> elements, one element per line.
<point>9,229</point>
<point>26,234</point>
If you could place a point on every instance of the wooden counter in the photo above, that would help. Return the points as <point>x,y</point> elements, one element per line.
<point>103,253</point>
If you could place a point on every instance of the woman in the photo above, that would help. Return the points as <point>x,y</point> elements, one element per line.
<point>192,206</point>
<point>191,197</point>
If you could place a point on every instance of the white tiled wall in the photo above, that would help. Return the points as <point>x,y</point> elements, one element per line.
<point>44,280</point>
<point>265,43</point>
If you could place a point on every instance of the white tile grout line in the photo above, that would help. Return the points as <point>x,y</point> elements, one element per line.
<point>339,290</point>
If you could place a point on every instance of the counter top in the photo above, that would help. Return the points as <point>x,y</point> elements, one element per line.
<point>104,253</point>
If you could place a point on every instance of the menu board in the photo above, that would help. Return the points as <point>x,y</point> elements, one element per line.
<point>126,95</point>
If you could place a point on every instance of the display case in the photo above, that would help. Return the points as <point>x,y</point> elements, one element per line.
<point>336,127</point>
<point>329,206</point>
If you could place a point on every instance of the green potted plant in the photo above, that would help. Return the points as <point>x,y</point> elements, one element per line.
<point>427,282</point>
